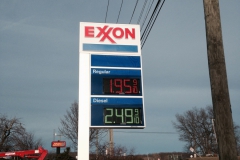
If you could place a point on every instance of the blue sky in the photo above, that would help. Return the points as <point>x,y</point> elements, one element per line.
<point>39,43</point>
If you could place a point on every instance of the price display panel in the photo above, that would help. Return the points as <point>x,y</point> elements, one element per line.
<point>116,92</point>
<point>121,86</point>
<point>122,116</point>
<point>116,82</point>
<point>117,112</point>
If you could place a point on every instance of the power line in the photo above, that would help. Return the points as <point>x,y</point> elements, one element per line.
<point>152,24</point>
<point>133,11</point>
<point>119,11</point>
<point>147,132</point>
<point>143,8</point>
<point>149,8</point>
<point>106,12</point>
<point>150,21</point>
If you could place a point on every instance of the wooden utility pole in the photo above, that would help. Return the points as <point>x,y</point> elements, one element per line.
<point>111,148</point>
<point>219,85</point>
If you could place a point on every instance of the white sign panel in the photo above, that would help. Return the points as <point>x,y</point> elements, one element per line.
<point>110,37</point>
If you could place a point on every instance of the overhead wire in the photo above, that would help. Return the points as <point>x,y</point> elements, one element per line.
<point>133,11</point>
<point>146,132</point>
<point>119,11</point>
<point>106,12</point>
<point>146,15</point>
<point>143,8</point>
<point>153,23</point>
<point>146,30</point>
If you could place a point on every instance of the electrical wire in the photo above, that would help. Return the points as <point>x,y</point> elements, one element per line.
<point>148,10</point>
<point>133,11</point>
<point>150,21</point>
<point>147,132</point>
<point>143,8</point>
<point>106,12</point>
<point>152,24</point>
<point>119,11</point>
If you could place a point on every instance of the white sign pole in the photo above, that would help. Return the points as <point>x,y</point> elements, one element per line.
<point>83,107</point>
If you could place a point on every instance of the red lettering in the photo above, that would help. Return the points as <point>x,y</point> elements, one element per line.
<point>118,84</point>
<point>109,33</point>
<point>119,30</point>
<point>105,34</point>
<point>129,33</point>
<point>135,88</point>
<point>89,31</point>
<point>127,86</point>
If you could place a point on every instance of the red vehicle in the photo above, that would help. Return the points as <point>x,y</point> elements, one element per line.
<point>38,154</point>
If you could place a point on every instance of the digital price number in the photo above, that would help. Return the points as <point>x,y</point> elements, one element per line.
<point>121,86</point>
<point>123,116</point>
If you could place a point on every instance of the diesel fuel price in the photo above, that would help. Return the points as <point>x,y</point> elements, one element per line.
<point>121,86</point>
<point>122,116</point>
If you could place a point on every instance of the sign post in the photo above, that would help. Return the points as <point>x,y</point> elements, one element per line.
<point>110,80</point>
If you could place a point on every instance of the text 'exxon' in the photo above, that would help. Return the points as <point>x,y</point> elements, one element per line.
<point>109,33</point>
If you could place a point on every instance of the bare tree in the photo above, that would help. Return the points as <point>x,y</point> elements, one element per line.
<point>70,127</point>
<point>26,141</point>
<point>13,136</point>
<point>119,152</point>
<point>237,137</point>
<point>195,127</point>
<point>9,128</point>
<point>70,124</point>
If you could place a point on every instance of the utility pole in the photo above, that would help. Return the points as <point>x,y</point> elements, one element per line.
<point>111,142</point>
<point>97,147</point>
<point>218,80</point>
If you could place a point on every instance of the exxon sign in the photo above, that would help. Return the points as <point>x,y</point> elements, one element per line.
<point>113,34</point>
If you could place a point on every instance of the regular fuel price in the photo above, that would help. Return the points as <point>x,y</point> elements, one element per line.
<point>121,86</point>
<point>122,116</point>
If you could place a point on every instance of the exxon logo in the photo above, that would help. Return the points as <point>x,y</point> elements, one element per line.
<point>109,33</point>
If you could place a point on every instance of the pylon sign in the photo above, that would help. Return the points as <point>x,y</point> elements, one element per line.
<point>110,76</point>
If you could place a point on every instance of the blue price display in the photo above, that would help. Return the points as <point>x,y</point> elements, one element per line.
<point>116,92</point>
<point>116,111</point>
<point>123,116</point>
